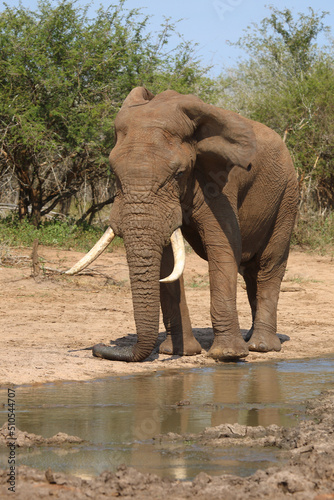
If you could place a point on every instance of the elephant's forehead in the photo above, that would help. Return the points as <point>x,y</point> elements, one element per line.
<point>153,116</point>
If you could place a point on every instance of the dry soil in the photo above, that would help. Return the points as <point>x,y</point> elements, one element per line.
<point>48,321</point>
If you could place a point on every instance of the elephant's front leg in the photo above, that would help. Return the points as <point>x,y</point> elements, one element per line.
<point>180,339</point>
<point>220,233</point>
<point>228,343</point>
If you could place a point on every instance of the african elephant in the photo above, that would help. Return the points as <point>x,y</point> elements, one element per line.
<point>228,183</point>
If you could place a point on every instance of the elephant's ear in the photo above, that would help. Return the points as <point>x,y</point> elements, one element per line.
<point>223,137</point>
<point>137,97</point>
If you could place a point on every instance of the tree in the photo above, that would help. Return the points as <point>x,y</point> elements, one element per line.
<point>288,84</point>
<point>63,78</point>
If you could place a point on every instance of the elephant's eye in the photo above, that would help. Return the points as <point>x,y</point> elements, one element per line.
<point>179,174</point>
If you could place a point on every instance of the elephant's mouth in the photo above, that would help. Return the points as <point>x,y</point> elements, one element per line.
<point>176,240</point>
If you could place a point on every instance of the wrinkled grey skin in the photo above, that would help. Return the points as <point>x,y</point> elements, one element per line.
<point>230,185</point>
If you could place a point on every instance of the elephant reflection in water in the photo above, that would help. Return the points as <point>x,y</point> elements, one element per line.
<point>215,397</point>
<point>260,387</point>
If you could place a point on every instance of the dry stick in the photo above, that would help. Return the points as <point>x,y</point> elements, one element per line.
<point>82,273</point>
<point>35,261</point>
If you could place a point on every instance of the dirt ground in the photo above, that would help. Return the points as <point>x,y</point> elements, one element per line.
<point>48,321</point>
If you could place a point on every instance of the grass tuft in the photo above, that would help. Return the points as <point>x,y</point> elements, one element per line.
<point>315,232</point>
<point>57,233</point>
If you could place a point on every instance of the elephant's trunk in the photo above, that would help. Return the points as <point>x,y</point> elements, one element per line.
<point>144,248</point>
<point>144,266</point>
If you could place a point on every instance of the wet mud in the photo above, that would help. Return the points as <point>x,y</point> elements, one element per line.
<point>27,439</point>
<point>308,474</point>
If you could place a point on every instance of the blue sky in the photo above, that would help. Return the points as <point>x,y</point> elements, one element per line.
<point>210,23</point>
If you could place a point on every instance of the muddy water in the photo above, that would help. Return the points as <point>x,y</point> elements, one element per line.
<point>120,415</point>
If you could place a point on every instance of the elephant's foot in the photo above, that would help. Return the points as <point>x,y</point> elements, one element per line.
<point>180,346</point>
<point>227,348</point>
<point>262,341</point>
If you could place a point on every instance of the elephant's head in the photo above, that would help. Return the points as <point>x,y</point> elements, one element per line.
<point>161,141</point>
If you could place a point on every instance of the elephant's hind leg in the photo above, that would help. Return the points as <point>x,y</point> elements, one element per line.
<point>262,336</point>
<point>180,338</point>
<point>262,294</point>
<point>263,279</point>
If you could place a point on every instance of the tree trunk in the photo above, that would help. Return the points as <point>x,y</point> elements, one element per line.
<point>36,206</point>
<point>23,205</point>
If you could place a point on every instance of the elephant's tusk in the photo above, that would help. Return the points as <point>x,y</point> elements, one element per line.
<point>179,257</point>
<point>93,254</point>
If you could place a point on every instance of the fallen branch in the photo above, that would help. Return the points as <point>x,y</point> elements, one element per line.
<point>87,272</point>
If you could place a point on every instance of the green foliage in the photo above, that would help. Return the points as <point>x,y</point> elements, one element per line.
<point>282,40</point>
<point>63,234</point>
<point>288,84</point>
<point>63,77</point>
<point>315,232</point>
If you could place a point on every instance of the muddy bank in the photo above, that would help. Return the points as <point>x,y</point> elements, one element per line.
<point>28,440</point>
<point>309,473</point>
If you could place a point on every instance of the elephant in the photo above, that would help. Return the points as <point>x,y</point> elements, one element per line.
<point>224,183</point>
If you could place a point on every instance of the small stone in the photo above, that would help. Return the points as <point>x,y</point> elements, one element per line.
<point>49,476</point>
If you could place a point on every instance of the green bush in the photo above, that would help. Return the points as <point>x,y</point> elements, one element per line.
<point>314,232</point>
<point>59,233</point>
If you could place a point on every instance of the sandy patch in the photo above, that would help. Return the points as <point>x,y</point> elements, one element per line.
<point>45,321</point>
